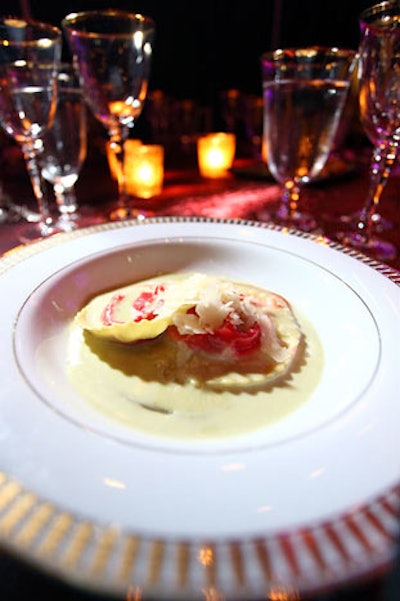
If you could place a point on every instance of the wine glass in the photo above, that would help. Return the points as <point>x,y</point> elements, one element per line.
<point>371,130</point>
<point>379,103</point>
<point>112,52</point>
<point>304,91</point>
<point>29,57</point>
<point>65,148</point>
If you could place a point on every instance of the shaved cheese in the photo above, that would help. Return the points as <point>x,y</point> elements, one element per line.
<point>210,315</point>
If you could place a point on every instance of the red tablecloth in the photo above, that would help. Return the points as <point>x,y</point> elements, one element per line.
<point>246,194</point>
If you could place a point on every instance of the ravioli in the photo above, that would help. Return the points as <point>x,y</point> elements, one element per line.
<point>216,326</point>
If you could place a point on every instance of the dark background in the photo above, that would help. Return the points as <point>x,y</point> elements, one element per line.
<point>205,47</point>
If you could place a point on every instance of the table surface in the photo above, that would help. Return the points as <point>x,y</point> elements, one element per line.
<point>245,194</point>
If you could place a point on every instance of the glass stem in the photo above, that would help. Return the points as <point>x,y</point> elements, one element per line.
<point>31,152</point>
<point>383,158</point>
<point>117,140</point>
<point>65,199</point>
<point>290,200</point>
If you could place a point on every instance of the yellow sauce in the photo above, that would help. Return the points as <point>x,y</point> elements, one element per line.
<point>142,388</point>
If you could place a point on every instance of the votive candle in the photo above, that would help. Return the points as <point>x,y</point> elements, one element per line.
<point>144,170</point>
<point>215,154</point>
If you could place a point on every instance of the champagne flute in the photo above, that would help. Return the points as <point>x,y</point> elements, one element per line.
<point>65,148</point>
<point>29,57</point>
<point>112,52</point>
<point>379,102</point>
<point>304,92</point>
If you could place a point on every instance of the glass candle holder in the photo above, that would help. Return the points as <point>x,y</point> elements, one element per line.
<point>144,170</point>
<point>112,160</point>
<point>215,154</point>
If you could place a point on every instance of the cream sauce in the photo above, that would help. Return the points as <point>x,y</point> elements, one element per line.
<point>145,388</point>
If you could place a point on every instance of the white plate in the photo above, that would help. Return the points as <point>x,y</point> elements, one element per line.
<point>302,505</point>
